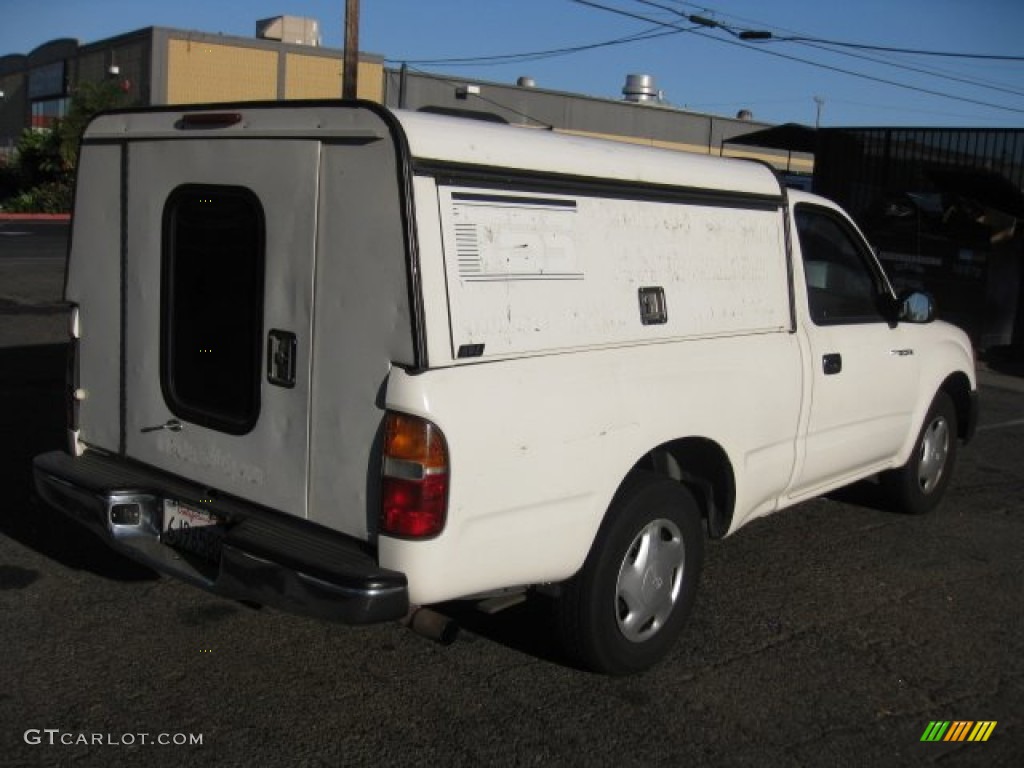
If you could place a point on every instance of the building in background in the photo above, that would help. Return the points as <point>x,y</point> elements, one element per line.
<point>641,117</point>
<point>157,66</point>
<point>284,60</point>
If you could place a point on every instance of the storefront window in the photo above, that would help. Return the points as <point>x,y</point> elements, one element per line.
<point>44,113</point>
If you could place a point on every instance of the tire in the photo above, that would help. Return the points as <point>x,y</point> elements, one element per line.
<point>624,610</point>
<point>919,485</point>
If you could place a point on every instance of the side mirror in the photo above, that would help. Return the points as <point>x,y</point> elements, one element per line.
<point>916,307</point>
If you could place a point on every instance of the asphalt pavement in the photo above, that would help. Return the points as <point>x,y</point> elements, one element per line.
<point>33,256</point>
<point>831,634</point>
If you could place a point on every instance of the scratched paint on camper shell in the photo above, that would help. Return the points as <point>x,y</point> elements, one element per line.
<point>210,456</point>
<point>497,239</point>
<point>530,277</point>
<point>286,183</point>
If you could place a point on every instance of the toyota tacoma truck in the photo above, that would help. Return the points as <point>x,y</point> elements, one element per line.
<point>348,361</point>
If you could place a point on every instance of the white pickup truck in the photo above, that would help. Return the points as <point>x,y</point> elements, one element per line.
<point>347,362</point>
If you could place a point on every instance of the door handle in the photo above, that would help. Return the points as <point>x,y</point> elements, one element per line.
<point>281,358</point>
<point>832,363</point>
<point>173,425</point>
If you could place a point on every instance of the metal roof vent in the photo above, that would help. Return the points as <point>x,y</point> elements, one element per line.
<point>526,82</point>
<point>641,89</point>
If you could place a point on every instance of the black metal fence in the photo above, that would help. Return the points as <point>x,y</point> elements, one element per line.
<point>945,209</point>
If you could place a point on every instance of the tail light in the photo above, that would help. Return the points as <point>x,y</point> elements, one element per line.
<point>414,486</point>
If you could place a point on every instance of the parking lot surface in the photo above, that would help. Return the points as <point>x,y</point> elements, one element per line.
<point>831,634</point>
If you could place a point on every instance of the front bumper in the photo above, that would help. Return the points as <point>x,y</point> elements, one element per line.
<point>264,557</point>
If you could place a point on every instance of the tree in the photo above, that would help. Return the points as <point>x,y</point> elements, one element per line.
<point>45,160</point>
<point>88,100</point>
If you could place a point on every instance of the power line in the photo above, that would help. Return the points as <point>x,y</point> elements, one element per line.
<point>511,58</point>
<point>887,49</point>
<point>636,16</point>
<point>789,57</point>
<point>901,108</point>
<point>660,31</point>
<point>921,70</point>
<point>803,39</point>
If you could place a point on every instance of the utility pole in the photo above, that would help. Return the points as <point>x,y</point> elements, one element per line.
<point>350,71</point>
<point>820,101</point>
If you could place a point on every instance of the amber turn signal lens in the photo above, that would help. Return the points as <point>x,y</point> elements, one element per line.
<point>410,438</point>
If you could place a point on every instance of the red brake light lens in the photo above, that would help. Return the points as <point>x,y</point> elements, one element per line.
<point>414,508</point>
<point>414,486</point>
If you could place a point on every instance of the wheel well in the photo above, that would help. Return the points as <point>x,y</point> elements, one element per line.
<point>958,387</point>
<point>703,467</point>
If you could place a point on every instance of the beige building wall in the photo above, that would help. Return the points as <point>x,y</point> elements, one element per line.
<point>371,81</point>
<point>311,77</point>
<point>200,72</point>
<point>319,77</point>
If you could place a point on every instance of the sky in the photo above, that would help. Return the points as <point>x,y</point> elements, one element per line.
<point>699,68</point>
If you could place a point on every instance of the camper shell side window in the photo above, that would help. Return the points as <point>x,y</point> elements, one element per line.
<point>211,333</point>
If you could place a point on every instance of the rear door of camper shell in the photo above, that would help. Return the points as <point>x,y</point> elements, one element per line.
<point>243,250</point>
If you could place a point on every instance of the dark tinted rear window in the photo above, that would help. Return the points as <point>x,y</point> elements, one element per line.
<point>212,306</point>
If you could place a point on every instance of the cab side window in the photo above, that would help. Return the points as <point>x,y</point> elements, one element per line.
<point>843,286</point>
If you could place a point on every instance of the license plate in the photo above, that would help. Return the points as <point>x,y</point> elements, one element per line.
<point>192,530</point>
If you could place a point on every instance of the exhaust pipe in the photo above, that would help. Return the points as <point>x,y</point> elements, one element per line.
<point>432,625</point>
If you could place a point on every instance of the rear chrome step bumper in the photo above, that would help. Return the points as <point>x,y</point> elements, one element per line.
<point>265,557</point>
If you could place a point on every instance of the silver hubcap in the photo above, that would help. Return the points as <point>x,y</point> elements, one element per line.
<point>934,450</point>
<point>650,579</point>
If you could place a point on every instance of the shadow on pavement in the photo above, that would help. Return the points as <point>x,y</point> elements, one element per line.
<point>32,417</point>
<point>866,493</point>
<point>1007,360</point>
<point>528,627</point>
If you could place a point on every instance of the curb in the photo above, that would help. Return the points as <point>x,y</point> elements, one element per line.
<point>35,217</point>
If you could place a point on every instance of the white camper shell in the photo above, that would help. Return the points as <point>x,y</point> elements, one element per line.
<point>345,361</point>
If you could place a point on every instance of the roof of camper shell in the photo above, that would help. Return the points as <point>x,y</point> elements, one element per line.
<point>450,140</point>
<point>470,142</point>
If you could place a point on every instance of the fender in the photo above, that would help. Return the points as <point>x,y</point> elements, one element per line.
<point>950,354</point>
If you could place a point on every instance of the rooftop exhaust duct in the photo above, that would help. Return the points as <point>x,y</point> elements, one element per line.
<point>640,89</point>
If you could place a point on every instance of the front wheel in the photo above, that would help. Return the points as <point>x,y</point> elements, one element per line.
<point>919,485</point>
<point>623,611</point>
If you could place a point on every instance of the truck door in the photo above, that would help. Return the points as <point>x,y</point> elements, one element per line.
<point>863,371</point>
<point>220,247</point>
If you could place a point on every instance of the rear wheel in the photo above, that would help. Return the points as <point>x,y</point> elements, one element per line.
<point>623,611</point>
<point>919,485</point>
